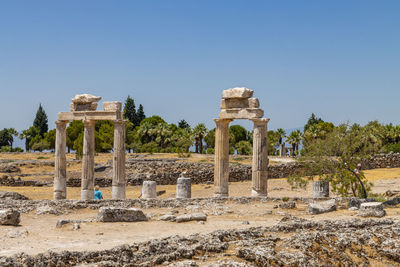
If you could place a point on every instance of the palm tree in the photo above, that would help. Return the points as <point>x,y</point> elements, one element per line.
<point>145,132</point>
<point>294,139</point>
<point>28,134</point>
<point>163,134</point>
<point>12,132</point>
<point>281,134</point>
<point>199,132</point>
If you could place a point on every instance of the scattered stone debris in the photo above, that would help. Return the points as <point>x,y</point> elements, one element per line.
<point>167,217</point>
<point>12,195</point>
<point>372,209</point>
<point>246,222</point>
<point>356,202</point>
<point>287,205</point>
<point>291,242</point>
<point>9,217</point>
<point>321,207</point>
<point>191,217</point>
<point>60,223</point>
<point>47,209</point>
<point>76,226</point>
<point>113,214</point>
<point>17,233</point>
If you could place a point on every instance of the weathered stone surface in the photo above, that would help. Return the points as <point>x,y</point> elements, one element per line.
<point>47,209</point>
<point>9,167</point>
<point>12,195</point>
<point>9,217</point>
<point>112,106</point>
<point>254,103</point>
<point>320,189</point>
<point>149,189</point>
<point>191,217</point>
<point>287,205</point>
<point>356,202</point>
<point>85,99</point>
<point>241,113</point>
<point>112,214</point>
<point>237,92</point>
<point>371,209</point>
<point>17,233</point>
<point>167,217</point>
<point>184,188</point>
<point>322,207</point>
<point>234,103</point>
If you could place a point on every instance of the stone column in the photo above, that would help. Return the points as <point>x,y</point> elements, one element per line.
<point>221,167</point>
<point>118,183</point>
<point>60,175</point>
<point>260,158</point>
<point>87,189</point>
<point>184,188</point>
<point>149,189</point>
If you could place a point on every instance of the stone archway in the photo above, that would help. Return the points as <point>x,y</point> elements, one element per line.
<point>238,103</point>
<point>84,108</point>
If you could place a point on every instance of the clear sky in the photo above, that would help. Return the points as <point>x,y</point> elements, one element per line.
<point>338,59</point>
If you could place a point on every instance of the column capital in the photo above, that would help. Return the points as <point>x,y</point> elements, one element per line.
<point>57,122</point>
<point>260,120</point>
<point>122,122</point>
<point>222,121</point>
<point>88,123</point>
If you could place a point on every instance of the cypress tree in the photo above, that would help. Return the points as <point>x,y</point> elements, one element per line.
<point>40,121</point>
<point>140,115</point>
<point>130,110</point>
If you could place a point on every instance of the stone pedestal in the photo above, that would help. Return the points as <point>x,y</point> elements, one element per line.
<point>260,158</point>
<point>60,175</point>
<point>282,150</point>
<point>87,190</point>
<point>184,188</point>
<point>118,183</point>
<point>320,189</point>
<point>149,189</point>
<point>221,167</point>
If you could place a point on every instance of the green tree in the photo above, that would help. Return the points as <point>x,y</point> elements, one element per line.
<point>199,132</point>
<point>28,135</point>
<point>140,114</point>
<point>40,121</point>
<point>6,137</point>
<point>209,139</point>
<point>281,134</point>
<point>183,124</point>
<point>311,121</point>
<point>243,147</point>
<point>104,136</point>
<point>334,159</point>
<point>74,129</point>
<point>50,138</point>
<point>294,139</point>
<point>130,111</point>
<point>237,133</point>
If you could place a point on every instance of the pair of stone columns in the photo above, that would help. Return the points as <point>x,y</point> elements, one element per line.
<point>260,158</point>
<point>87,182</point>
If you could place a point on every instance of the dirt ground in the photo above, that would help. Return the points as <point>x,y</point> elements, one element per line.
<point>38,233</point>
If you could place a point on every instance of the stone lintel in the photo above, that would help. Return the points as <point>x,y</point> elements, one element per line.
<point>237,92</point>
<point>112,106</point>
<point>239,113</point>
<point>90,115</point>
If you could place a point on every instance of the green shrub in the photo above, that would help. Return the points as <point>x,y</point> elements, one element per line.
<point>392,148</point>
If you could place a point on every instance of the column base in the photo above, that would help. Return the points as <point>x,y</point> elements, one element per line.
<point>59,195</point>
<point>118,192</point>
<point>87,194</point>
<point>255,193</point>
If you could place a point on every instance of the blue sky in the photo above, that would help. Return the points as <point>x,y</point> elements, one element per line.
<point>338,59</point>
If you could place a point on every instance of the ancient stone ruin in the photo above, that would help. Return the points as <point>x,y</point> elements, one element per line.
<point>238,103</point>
<point>84,108</point>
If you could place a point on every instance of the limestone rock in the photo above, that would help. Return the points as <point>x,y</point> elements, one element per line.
<point>191,217</point>
<point>111,214</point>
<point>287,205</point>
<point>9,217</point>
<point>112,106</point>
<point>12,195</point>
<point>321,207</point>
<point>356,202</point>
<point>237,92</point>
<point>371,209</point>
<point>254,103</point>
<point>85,99</point>
<point>17,233</point>
<point>167,217</point>
<point>239,113</point>
<point>9,168</point>
<point>46,209</point>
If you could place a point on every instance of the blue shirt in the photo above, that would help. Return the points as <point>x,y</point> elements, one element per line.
<point>98,195</point>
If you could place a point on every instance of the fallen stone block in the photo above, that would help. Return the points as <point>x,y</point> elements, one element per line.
<point>371,209</point>
<point>321,207</point>
<point>356,202</point>
<point>287,205</point>
<point>9,217</point>
<point>111,214</point>
<point>191,217</point>
<point>167,217</point>
<point>12,195</point>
